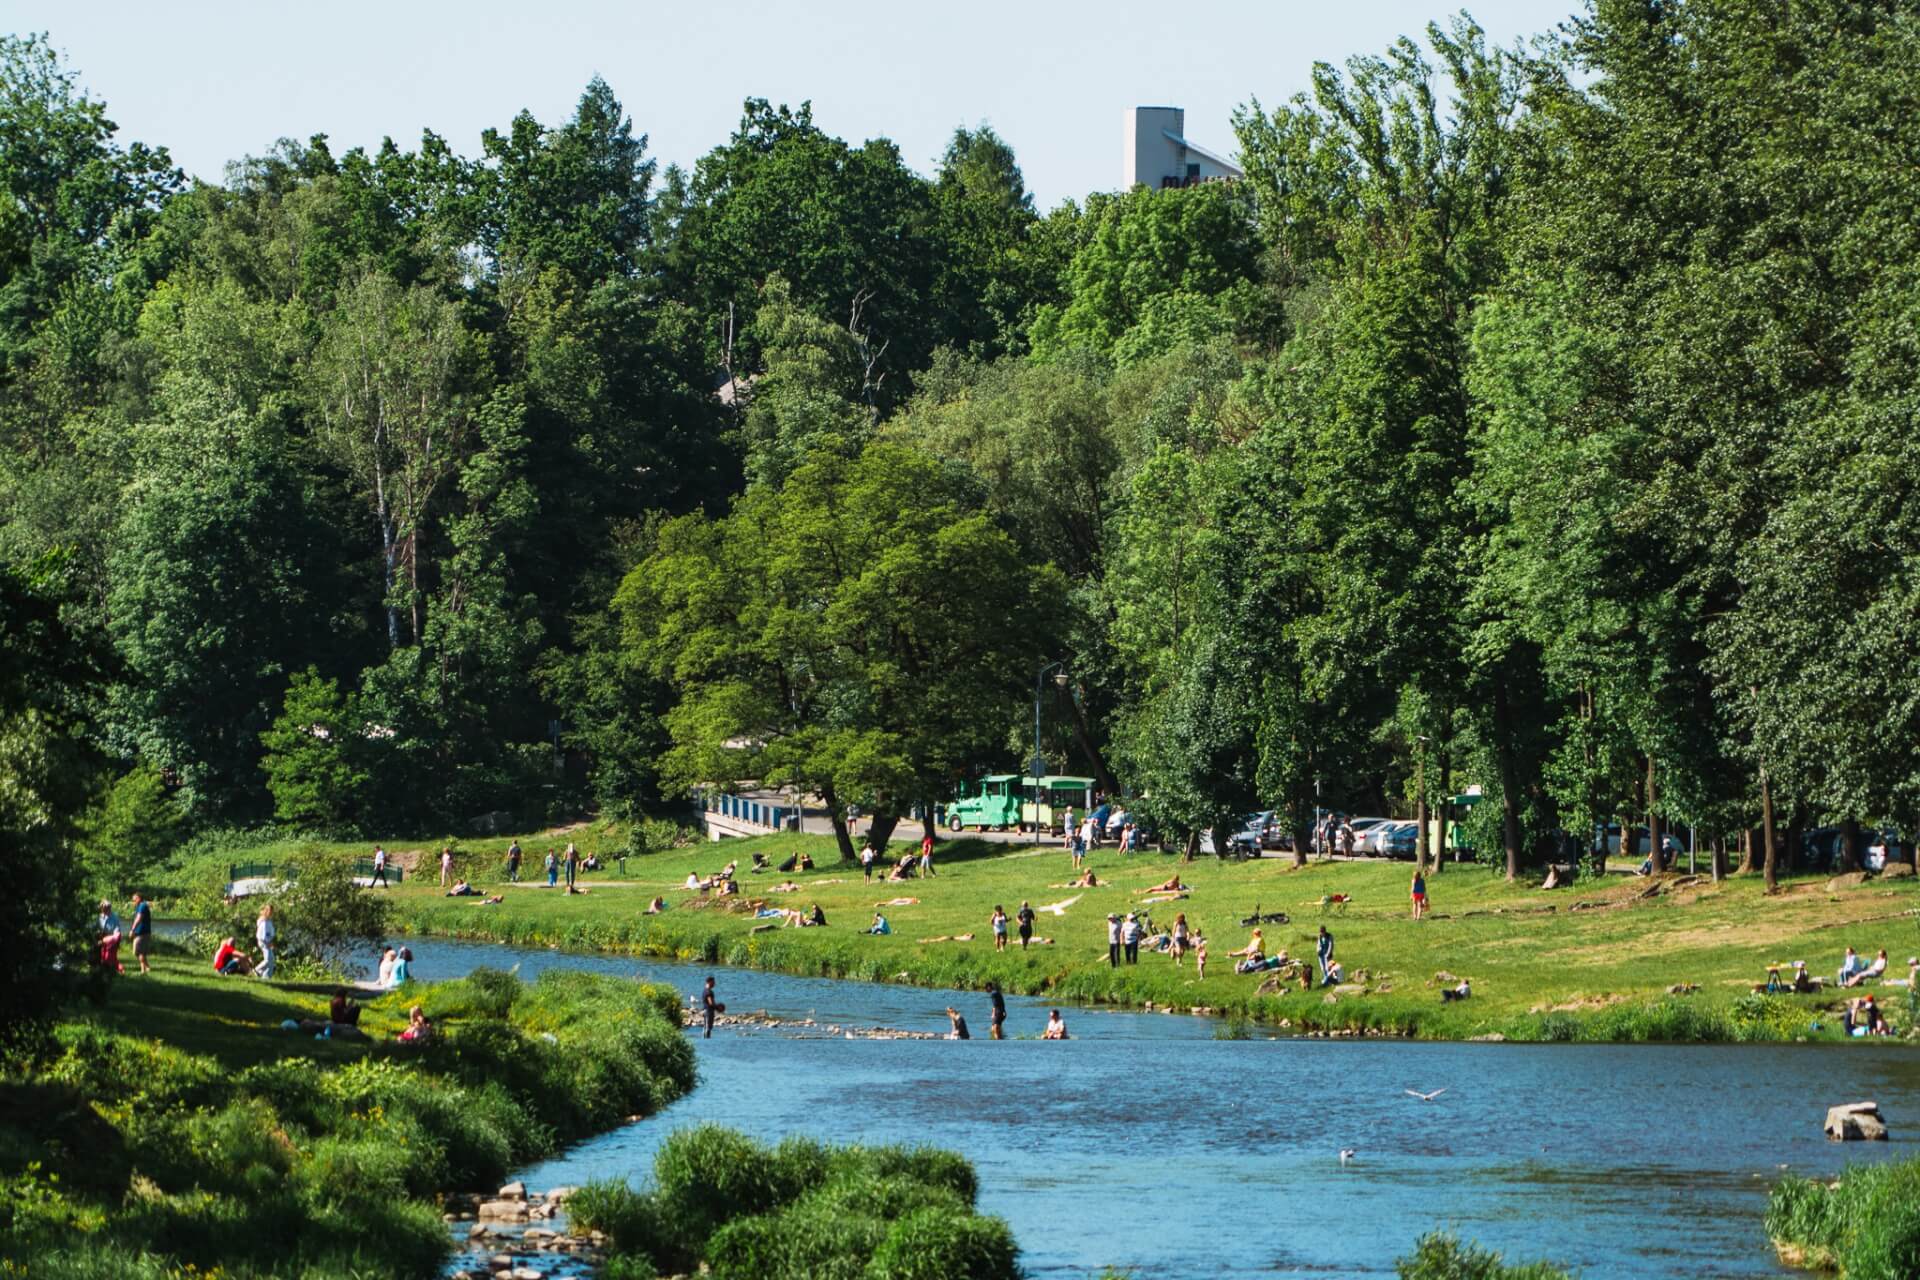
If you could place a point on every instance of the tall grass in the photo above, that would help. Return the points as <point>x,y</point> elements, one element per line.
<point>1866,1225</point>
<point>741,1210</point>
<point>298,1167</point>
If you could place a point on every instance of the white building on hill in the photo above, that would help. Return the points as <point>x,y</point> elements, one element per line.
<point>1157,154</point>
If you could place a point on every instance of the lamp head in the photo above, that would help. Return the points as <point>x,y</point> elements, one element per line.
<point>1060,678</point>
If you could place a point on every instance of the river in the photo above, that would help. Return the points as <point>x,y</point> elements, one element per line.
<point>1145,1143</point>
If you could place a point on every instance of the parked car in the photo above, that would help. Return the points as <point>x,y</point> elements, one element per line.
<point>1670,842</point>
<point>1820,847</point>
<point>1398,839</point>
<point>1373,840</point>
<point>1247,839</point>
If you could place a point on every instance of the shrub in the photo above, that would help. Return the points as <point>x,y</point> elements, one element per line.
<point>935,1244</point>
<point>1867,1226</point>
<point>1443,1257</point>
<point>630,1219</point>
<point>809,1242</point>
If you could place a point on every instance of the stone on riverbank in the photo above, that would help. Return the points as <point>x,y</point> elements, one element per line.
<point>512,1191</point>
<point>504,1210</point>
<point>1856,1122</point>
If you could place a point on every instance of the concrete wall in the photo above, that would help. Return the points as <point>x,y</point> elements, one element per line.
<point>1148,155</point>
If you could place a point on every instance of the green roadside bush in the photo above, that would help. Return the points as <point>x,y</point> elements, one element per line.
<point>799,1211</point>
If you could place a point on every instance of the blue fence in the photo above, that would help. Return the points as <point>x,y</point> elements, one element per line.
<point>745,809</point>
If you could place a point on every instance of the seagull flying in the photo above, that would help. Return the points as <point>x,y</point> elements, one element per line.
<point>1424,1097</point>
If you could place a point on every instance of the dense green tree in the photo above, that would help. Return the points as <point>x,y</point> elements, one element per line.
<point>864,630</point>
<point>129,832</point>
<point>317,756</point>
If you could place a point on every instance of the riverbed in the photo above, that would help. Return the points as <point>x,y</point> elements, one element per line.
<point>1146,1143</point>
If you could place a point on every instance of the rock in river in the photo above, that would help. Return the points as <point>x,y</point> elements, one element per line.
<point>1856,1121</point>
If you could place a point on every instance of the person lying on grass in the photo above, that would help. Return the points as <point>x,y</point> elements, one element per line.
<point>1170,885</point>
<point>461,889</point>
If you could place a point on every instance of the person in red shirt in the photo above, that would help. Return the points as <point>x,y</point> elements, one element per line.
<point>230,959</point>
<point>926,855</point>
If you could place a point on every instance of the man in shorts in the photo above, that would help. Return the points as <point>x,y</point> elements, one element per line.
<point>142,931</point>
<point>1024,919</point>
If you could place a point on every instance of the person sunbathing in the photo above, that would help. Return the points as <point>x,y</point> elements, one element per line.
<point>1086,881</point>
<point>1255,949</point>
<point>1172,885</point>
<point>461,889</point>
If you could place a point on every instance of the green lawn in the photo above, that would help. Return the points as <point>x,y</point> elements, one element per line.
<point>1539,967</point>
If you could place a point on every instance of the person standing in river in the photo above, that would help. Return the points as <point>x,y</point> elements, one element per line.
<point>959,1031</point>
<point>709,1008</point>
<point>996,1027</point>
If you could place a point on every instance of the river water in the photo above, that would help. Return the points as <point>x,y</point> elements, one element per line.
<point>1144,1143</point>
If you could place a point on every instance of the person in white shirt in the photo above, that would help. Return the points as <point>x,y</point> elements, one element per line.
<point>264,933</point>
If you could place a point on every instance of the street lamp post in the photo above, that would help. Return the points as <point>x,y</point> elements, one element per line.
<point>1038,765</point>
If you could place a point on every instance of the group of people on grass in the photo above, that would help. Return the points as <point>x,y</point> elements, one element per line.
<point>230,961</point>
<point>1862,1015</point>
<point>110,933</point>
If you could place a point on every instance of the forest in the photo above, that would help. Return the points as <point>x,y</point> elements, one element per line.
<point>1540,419</point>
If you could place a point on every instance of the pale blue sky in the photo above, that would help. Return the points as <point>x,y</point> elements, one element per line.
<point>213,81</point>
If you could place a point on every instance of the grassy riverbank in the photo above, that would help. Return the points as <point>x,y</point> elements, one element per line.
<point>1865,1225</point>
<point>179,1127</point>
<point>1591,962</point>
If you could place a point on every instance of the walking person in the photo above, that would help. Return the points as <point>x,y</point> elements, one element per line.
<point>573,865</point>
<point>513,863</point>
<point>926,855</point>
<point>1323,951</point>
<point>553,869</point>
<point>999,925</point>
<point>1199,955</point>
<point>1113,941</point>
<point>1346,837</point>
<point>446,865</point>
<point>710,1008</point>
<point>1179,937</point>
<point>264,933</point>
<point>142,933</point>
<point>379,868</point>
<point>1024,918</point>
<point>1419,893</point>
<point>1130,938</point>
<point>996,1026</point>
